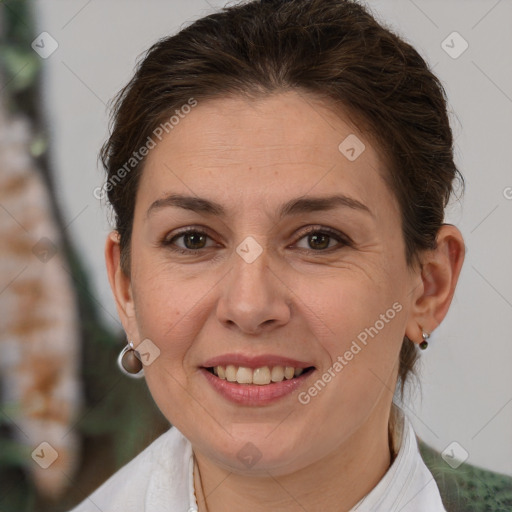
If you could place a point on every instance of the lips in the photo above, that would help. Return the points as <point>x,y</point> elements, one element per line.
<point>257,380</point>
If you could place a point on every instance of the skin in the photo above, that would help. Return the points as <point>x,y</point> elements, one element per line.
<point>300,298</point>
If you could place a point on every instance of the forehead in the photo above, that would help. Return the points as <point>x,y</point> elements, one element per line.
<point>235,149</point>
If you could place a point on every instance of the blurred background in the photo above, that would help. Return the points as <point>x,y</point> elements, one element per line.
<point>68,418</point>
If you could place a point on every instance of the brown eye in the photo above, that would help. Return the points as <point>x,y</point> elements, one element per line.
<point>321,240</point>
<point>190,241</point>
<point>194,240</point>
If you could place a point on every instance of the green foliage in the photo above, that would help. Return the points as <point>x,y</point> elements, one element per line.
<point>13,454</point>
<point>18,61</point>
<point>20,67</point>
<point>15,493</point>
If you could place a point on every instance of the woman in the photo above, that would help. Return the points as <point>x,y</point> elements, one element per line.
<point>278,173</point>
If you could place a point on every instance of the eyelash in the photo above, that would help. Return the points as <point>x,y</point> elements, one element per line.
<point>342,239</point>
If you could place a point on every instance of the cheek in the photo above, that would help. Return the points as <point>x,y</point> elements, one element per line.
<point>354,305</point>
<point>165,313</point>
<point>162,297</point>
<point>360,327</point>
<point>167,316</point>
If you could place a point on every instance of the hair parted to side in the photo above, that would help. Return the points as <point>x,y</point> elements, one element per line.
<point>333,50</point>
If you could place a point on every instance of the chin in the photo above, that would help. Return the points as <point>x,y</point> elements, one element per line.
<point>256,454</point>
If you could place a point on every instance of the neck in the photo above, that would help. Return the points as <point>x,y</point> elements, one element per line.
<point>337,482</point>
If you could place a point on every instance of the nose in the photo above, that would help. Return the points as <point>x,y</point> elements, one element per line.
<point>254,299</point>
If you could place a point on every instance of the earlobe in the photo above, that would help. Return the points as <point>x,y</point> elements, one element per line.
<point>120,283</point>
<point>439,275</point>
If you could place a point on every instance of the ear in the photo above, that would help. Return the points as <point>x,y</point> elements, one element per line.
<point>120,283</point>
<point>435,286</point>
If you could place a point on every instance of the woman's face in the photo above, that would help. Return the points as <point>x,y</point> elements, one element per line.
<point>267,273</point>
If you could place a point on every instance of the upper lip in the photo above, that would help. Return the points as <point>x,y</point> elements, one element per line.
<point>254,361</point>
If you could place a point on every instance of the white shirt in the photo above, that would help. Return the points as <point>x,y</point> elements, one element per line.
<point>160,479</point>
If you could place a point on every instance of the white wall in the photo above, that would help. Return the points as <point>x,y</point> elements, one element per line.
<point>466,373</point>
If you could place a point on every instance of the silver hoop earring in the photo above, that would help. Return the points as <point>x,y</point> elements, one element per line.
<point>129,362</point>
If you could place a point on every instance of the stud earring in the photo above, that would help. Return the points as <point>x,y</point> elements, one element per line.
<point>424,343</point>
<point>129,362</point>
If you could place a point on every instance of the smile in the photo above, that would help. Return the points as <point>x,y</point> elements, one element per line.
<point>256,387</point>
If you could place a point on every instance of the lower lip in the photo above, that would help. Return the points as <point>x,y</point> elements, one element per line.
<point>254,394</point>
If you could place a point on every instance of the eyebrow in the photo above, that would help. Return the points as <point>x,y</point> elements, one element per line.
<point>292,207</point>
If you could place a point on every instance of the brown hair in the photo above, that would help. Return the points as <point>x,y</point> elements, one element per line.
<point>332,49</point>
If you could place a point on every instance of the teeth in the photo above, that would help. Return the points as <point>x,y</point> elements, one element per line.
<point>244,375</point>
<point>230,373</point>
<point>277,374</point>
<point>260,376</point>
<point>288,372</point>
